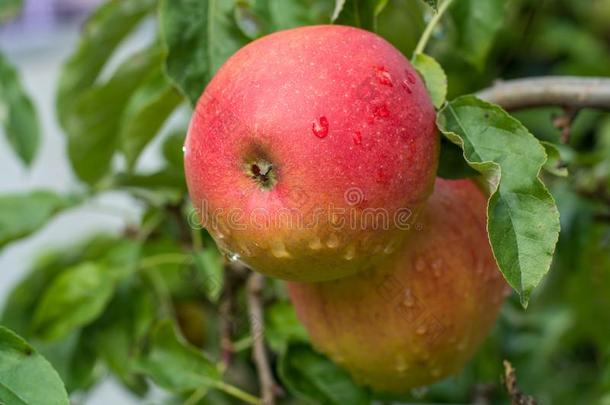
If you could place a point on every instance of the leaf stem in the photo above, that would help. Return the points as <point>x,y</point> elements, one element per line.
<point>425,36</point>
<point>197,240</point>
<point>242,344</point>
<point>196,396</point>
<point>237,393</point>
<point>166,258</point>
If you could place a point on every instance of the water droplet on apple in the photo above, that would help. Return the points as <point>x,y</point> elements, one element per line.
<point>223,230</point>
<point>437,267</point>
<point>408,300</point>
<point>421,330</point>
<point>420,265</point>
<point>381,177</point>
<point>357,138</point>
<point>315,243</point>
<point>184,149</point>
<point>320,127</point>
<point>245,251</point>
<point>405,85</point>
<point>411,78</point>
<point>278,249</point>
<point>390,248</point>
<point>384,77</point>
<point>333,241</point>
<point>401,365</point>
<point>350,252</point>
<point>232,257</point>
<point>381,111</point>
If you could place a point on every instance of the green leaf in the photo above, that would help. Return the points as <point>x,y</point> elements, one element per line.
<point>9,9</point>
<point>282,326</point>
<point>17,114</point>
<point>252,18</point>
<point>477,23</point>
<point>402,23</point>
<point>101,35</point>
<point>75,298</point>
<point>172,150</point>
<point>434,77</point>
<point>93,121</point>
<point>432,3</point>
<point>26,378</point>
<point>174,364</point>
<point>523,221</point>
<point>148,109</point>
<point>164,187</point>
<point>23,214</point>
<point>200,36</point>
<point>287,14</point>
<point>451,163</point>
<point>554,163</point>
<point>121,260</point>
<point>358,13</point>
<point>209,265</point>
<point>21,304</point>
<point>117,335</point>
<point>312,376</point>
<point>74,360</point>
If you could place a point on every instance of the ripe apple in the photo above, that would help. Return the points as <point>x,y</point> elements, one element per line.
<point>309,149</point>
<point>420,315</point>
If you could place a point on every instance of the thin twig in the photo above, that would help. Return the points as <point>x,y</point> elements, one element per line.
<point>268,386</point>
<point>564,122</point>
<point>563,91</point>
<point>225,310</point>
<point>510,382</point>
<point>234,276</point>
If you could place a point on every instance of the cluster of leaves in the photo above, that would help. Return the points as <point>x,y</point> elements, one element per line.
<point>146,305</point>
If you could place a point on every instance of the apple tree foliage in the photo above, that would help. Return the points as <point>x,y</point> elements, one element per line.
<point>147,305</point>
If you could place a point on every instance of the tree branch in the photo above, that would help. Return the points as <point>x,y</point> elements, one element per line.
<point>510,382</point>
<point>563,91</point>
<point>234,277</point>
<point>255,306</point>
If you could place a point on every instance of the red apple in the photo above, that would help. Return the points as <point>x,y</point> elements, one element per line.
<point>309,149</point>
<point>421,315</point>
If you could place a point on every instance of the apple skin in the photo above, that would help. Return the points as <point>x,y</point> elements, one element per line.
<point>421,315</point>
<point>291,125</point>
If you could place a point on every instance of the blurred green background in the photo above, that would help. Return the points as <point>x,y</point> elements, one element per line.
<point>100,147</point>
